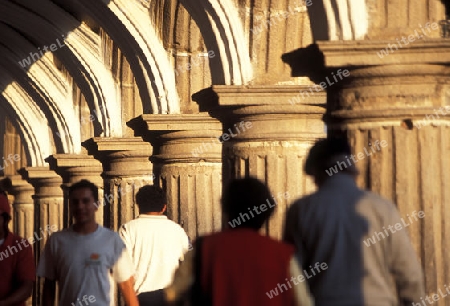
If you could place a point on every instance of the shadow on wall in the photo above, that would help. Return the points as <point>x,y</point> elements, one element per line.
<point>447,8</point>
<point>308,61</point>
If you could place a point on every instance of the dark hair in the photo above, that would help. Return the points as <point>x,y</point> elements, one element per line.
<point>6,219</point>
<point>323,151</point>
<point>150,198</point>
<point>85,184</point>
<point>5,186</point>
<point>240,198</point>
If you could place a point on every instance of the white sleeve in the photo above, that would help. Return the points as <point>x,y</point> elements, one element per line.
<point>123,269</point>
<point>124,233</point>
<point>302,294</point>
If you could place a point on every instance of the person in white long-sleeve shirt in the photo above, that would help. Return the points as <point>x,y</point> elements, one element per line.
<point>156,244</point>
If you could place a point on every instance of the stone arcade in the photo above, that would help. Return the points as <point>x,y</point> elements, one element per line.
<point>121,59</point>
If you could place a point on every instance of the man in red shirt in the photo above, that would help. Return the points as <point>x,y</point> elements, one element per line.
<point>238,266</point>
<point>18,271</point>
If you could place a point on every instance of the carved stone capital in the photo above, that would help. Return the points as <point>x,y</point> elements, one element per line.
<point>400,90</point>
<point>186,138</point>
<point>72,167</point>
<point>121,156</point>
<point>47,183</point>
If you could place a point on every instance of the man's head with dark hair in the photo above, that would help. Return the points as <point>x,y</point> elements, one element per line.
<point>151,199</point>
<point>241,196</point>
<point>326,153</point>
<point>83,203</point>
<point>85,184</point>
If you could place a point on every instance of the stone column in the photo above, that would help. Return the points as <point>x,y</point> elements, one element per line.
<point>73,168</point>
<point>22,207</point>
<point>126,168</point>
<point>187,161</point>
<point>268,131</point>
<point>48,213</point>
<point>403,100</point>
<point>48,200</point>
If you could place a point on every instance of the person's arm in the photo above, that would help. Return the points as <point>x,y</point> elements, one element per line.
<point>25,275</point>
<point>129,295</point>
<point>20,295</point>
<point>404,264</point>
<point>122,272</point>
<point>302,295</point>
<point>183,280</point>
<point>49,293</point>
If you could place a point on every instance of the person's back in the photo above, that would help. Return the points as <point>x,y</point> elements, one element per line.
<point>238,266</point>
<point>335,225</point>
<point>241,267</point>
<point>156,244</point>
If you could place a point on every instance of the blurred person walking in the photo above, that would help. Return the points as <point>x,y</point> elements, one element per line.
<point>238,266</point>
<point>17,268</point>
<point>84,257</point>
<point>155,243</point>
<point>332,224</point>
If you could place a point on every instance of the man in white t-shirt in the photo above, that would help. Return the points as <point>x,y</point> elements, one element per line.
<point>84,257</point>
<point>156,244</point>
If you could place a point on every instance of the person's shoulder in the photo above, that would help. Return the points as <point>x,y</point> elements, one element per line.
<point>302,202</point>
<point>104,231</point>
<point>281,247</point>
<point>15,237</point>
<point>174,225</point>
<point>61,234</point>
<point>377,200</point>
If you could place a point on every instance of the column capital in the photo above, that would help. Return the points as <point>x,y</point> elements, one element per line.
<point>74,167</point>
<point>45,181</point>
<point>121,156</point>
<point>176,136</point>
<point>369,52</point>
<point>286,113</point>
<point>398,89</point>
<point>278,96</point>
<point>125,146</point>
<point>19,186</point>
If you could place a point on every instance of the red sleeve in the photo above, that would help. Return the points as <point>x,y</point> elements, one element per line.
<point>26,268</point>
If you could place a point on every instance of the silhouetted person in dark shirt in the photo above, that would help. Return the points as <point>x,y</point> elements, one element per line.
<point>338,223</point>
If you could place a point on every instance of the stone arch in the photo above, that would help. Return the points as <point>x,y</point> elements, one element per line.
<point>49,93</point>
<point>131,29</point>
<point>80,57</point>
<point>223,31</point>
<point>29,120</point>
<point>338,19</point>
